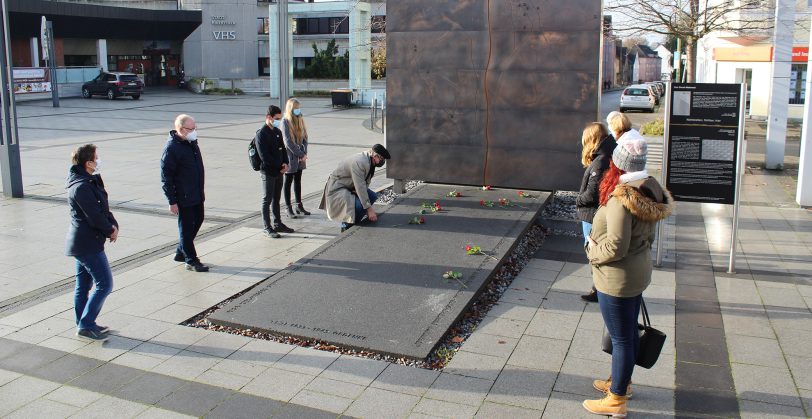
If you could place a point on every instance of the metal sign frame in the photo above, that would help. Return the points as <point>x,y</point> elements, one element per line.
<point>737,176</point>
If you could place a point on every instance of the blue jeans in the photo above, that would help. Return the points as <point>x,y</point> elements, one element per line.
<point>360,212</point>
<point>620,316</point>
<point>91,270</point>
<point>587,228</point>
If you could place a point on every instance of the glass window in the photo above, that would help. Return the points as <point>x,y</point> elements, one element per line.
<point>262,26</point>
<point>797,84</point>
<point>378,24</point>
<point>264,66</point>
<point>324,25</point>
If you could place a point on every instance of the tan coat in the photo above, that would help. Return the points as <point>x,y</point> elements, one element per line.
<point>624,232</point>
<point>350,179</point>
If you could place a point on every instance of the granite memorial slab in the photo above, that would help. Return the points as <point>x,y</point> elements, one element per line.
<point>380,286</point>
<point>495,92</point>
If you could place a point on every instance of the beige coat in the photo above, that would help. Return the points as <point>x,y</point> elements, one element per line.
<point>350,179</point>
<point>624,232</point>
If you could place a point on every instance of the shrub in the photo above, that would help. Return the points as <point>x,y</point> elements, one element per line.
<point>219,91</point>
<point>326,64</point>
<point>656,127</point>
<point>312,93</point>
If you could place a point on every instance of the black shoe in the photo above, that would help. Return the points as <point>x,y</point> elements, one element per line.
<point>281,228</point>
<point>290,212</point>
<point>103,329</point>
<point>345,227</point>
<point>93,335</point>
<point>269,232</point>
<point>197,267</point>
<point>300,210</point>
<point>179,257</point>
<point>592,297</point>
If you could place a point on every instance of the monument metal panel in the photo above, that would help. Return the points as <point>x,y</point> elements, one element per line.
<point>491,92</point>
<point>379,286</point>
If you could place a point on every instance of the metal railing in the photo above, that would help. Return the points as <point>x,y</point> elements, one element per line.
<point>76,74</point>
<point>378,110</point>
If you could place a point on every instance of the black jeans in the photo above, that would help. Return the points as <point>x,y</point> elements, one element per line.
<point>189,221</point>
<point>296,180</point>
<point>272,185</point>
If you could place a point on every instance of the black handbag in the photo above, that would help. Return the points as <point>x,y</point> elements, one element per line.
<point>651,341</point>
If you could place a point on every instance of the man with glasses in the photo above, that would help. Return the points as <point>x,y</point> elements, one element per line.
<point>347,197</point>
<point>182,176</point>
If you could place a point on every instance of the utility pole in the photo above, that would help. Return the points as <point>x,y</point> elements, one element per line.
<point>50,55</point>
<point>678,61</point>
<point>10,169</point>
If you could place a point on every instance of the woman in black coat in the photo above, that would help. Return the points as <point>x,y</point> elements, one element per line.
<point>91,225</point>
<point>598,146</point>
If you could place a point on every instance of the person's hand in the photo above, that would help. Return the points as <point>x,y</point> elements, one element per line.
<point>173,209</point>
<point>284,168</point>
<point>304,158</point>
<point>371,215</point>
<point>591,242</point>
<point>114,235</point>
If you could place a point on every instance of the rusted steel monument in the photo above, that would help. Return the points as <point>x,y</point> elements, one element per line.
<point>491,92</point>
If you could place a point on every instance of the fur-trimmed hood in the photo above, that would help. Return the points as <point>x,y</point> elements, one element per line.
<point>645,199</point>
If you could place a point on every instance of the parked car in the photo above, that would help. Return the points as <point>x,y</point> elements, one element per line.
<point>637,96</point>
<point>658,86</point>
<point>113,85</point>
<point>658,92</point>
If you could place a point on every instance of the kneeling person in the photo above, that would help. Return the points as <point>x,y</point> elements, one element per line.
<point>347,197</point>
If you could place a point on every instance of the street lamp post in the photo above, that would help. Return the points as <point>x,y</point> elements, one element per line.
<point>10,169</point>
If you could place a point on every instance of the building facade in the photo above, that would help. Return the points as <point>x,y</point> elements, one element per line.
<point>147,40</point>
<point>729,57</point>
<point>224,40</point>
<point>647,65</point>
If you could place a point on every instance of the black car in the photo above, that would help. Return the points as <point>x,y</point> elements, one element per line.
<point>113,85</point>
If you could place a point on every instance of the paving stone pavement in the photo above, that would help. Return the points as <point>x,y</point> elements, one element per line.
<point>533,356</point>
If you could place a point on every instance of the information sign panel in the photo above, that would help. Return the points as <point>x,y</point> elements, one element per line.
<point>31,80</point>
<point>703,142</point>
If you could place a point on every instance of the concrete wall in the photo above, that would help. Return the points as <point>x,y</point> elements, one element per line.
<point>225,44</point>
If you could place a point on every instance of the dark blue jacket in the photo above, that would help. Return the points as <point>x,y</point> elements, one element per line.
<point>271,149</point>
<point>91,221</point>
<point>182,172</point>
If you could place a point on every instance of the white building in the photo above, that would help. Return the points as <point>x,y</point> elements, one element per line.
<point>726,57</point>
<point>666,60</point>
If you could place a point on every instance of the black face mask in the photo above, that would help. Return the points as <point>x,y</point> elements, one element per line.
<point>381,163</point>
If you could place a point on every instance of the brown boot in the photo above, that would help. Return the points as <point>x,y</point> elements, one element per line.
<point>611,405</point>
<point>604,385</point>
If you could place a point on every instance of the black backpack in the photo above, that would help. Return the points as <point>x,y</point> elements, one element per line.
<point>253,155</point>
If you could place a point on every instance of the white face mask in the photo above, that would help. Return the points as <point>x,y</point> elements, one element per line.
<point>276,123</point>
<point>98,166</point>
<point>192,136</point>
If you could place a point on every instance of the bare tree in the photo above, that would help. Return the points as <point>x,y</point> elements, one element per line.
<point>690,20</point>
<point>632,41</point>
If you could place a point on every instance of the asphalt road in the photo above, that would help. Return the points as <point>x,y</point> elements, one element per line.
<point>610,101</point>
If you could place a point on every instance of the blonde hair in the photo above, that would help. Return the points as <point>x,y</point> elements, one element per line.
<point>619,123</point>
<point>594,132</point>
<point>296,125</point>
